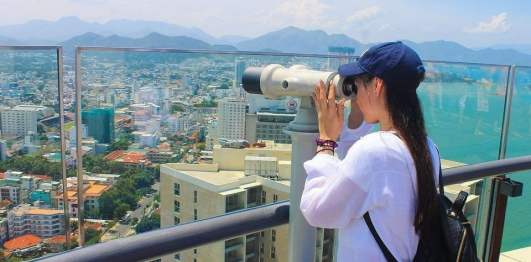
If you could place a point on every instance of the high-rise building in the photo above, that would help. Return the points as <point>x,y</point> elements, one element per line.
<point>72,133</point>
<point>231,119</point>
<point>177,124</point>
<point>268,126</point>
<point>237,179</point>
<point>22,119</point>
<point>267,118</point>
<point>239,68</point>
<point>100,122</point>
<point>334,63</point>
<point>3,150</point>
<point>4,87</point>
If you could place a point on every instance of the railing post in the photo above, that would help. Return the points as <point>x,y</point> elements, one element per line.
<point>499,198</point>
<point>303,131</point>
<point>63,143</point>
<point>79,153</point>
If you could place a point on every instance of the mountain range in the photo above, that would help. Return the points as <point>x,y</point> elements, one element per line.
<point>70,31</point>
<point>153,40</point>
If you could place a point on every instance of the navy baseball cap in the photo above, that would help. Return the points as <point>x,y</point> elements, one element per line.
<point>396,63</point>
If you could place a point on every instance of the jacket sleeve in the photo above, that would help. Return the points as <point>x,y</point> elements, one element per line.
<point>337,191</point>
<point>348,137</point>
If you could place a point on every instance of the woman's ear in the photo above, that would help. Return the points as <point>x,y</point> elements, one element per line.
<point>378,88</point>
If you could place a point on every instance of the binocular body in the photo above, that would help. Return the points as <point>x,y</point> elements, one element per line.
<point>276,81</point>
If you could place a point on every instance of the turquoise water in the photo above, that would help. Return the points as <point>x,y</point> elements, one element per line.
<point>465,121</point>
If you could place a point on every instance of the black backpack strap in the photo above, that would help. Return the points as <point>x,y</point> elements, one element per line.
<point>441,184</point>
<point>387,253</point>
<point>460,201</point>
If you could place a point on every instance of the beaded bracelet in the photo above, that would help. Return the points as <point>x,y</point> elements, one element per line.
<point>329,143</point>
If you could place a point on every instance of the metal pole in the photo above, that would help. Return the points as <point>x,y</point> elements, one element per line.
<point>500,207</point>
<point>304,129</point>
<point>63,145</point>
<point>509,104</point>
<point>79,151</point>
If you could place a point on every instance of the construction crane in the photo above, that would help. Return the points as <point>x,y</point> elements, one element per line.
<point>195,137</point>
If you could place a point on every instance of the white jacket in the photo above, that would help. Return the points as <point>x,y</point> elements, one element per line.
<point>376,174</point>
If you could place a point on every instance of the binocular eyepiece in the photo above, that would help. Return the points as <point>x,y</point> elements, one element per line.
<point>275,81</point>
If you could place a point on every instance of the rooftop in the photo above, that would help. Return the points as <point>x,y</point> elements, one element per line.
<point>22,242</point>
<point>216,178</point>
<point>28,108</point>
<point>96,189</point>
<point>114,154</point>
<point>29,210</point>
<point>59,239</point>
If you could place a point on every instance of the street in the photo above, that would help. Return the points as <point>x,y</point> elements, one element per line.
<point>122,230</point>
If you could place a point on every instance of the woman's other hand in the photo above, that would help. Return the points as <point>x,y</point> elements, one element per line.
<point>330,114</point>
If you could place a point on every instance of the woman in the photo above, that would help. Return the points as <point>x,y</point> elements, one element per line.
<point>392,174</point>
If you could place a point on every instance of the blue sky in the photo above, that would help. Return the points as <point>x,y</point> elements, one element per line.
<point>472,23</point>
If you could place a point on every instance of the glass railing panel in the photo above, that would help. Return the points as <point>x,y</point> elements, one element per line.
<point>463,108</point>
<point>156,118</point>
<point>517,228</point>
<point>30,148</point>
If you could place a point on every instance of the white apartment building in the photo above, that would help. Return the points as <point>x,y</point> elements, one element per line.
<point>19,122</point>
<point>177,124</point>
<point>10,193</point>
<point>212,135</point>
<point>140,116</point>
<point>153,125</point>
<point>149,140</point>
<point>72,133</point>
<point>231,119</point>
<point>237,179</point>
<point>44,223</point>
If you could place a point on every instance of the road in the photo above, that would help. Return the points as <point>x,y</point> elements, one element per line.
<point>122,230</point>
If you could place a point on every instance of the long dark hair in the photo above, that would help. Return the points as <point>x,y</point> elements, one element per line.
<point>406,116</point>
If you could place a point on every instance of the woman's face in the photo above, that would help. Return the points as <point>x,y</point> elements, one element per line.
<point>367,100</point>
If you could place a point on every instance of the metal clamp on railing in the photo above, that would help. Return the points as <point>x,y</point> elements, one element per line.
<point>511,188</point>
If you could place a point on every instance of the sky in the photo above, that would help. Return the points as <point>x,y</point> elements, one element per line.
<point>473,23</point>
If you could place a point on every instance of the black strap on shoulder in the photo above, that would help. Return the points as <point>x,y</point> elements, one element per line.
<point>383,247</point>
<point>368,221</point>
<point>441,184</point>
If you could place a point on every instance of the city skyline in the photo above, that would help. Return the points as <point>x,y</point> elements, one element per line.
<point>490,24</point>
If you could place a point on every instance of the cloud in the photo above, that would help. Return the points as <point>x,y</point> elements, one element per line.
<point>301,13</point>
<point>364,14</point>
<point>386,27</point>
<point>498,24</point>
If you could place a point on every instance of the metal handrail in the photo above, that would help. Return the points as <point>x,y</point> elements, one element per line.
<point>477,171</point>
<point>204,51</point>
<point>175,239</point>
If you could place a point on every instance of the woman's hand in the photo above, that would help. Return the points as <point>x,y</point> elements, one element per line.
<point>331,116</point>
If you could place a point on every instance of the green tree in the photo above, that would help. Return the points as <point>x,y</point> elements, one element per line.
<point>108,202</point>
<point>120,211</point>
<point>224,86</point>
<point>122,144</point>
<point>74,225</point>
<point>92,236</point>
<point>93,213</point>
<point>143,179</point>
<point>176,108</point>
<point>148,224</point>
